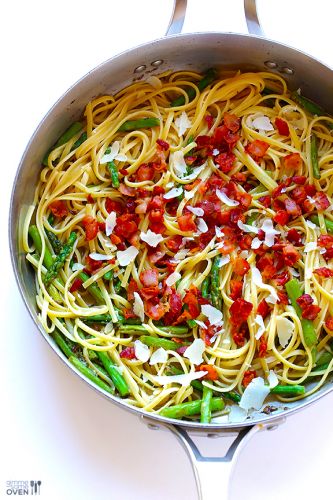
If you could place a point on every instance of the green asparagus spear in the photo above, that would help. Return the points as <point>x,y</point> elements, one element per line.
<point>310,106</point>
<point>191,408</point>
<point>233,396</point>
<point>323,361</point>
<point>196,384</point>
<point>93,289</point>
<point>109,275</point>
<point>314,157</point>
<point>114,174</point>
<point>65,137</point>
<point>160,342</point>
<point>55,242</point>
<point>205,287</point>
<point>81,140</point>
<point>176,330</point>
<point>202,84</point>
<point>215,282</point>
<point>328,223</point>
<point>34,234</point>
<point>60,260</point>
<point>251,218</point>
<point>90,374</point>
<point>116,376</point>
<point>140,123</point>
<point>191,323</point>
<point>206,414</point>
<point>294,291</point>
<point>63,343</point>
<point>289,390</point>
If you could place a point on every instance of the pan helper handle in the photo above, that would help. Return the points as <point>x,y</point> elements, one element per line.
<point>179,12</point>
<point>208,469</point>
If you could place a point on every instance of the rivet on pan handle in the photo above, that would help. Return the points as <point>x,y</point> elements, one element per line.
<point>177,17</point>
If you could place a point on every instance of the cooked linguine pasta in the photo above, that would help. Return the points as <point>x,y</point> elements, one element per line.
<point>180,236</point>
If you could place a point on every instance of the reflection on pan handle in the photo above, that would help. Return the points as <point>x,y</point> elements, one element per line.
<point>206,468</point>
<point>179,11</point>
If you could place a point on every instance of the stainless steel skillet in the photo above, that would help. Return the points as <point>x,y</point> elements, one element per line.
<point>178,52</point>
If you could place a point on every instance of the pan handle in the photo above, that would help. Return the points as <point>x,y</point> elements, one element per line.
<point>208,469</point>
<point>179,11</point>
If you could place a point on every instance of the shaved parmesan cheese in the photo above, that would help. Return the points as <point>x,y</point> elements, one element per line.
<point>108,327</point>
<point>272,379</point>
<point>110,223</point>
<point>322,251</point>
<point>151,238</point>
<point>285,328</point>
<point>237,414</point>
<point>195,173</point>
<point>256,243</point>
<point>260,322</point>
<point>244,254</point>
<point>247,228</point>
<point>213,315</point>
<point>257,280</point>
<point>293,272</point>
<point>202,226</point>
<point>77,266</point>
<point>221,419</point>
<point>127,256</point>
<point>254,394</point>
<point>312,245</point>
<point>188,195</point>
<point>182,123</point>
<point>225,199</point>
<point>99,256</point>
<point>184,380</point>
<point>195,351</point>
<point>173,193</point>
<point>224,260</point>
<point>262,122</point>
<point>154,82</point>
<point>216,152</point>
<point>180,255</point>
<point>113,154</point>
<point>173,278</point>
<point>178,162</point>
<point>201,324</point>
<point>159,356</point>
<point>195,210</point>
<point>219,233</point>
<point>270,232</point>
<point>170,185</point>
<point>141,351</point>
<point>138,307</point>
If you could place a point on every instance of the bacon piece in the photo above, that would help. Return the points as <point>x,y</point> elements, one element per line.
<point>90,226</point>
<point>149,292</point>
<point>128,353</point>
<point>290,255</point>
<point>240,266</point>
<point>90,199</point>
<point>149,277</point>
<point>191,299</point>
<point>257,149</point>
<point>263,309</point>
<point>175,308</point>
<point>311,312</point>
<point>262,351</point>
<point>59,208</point>
<point>114,206</point>
<point>292,161</point>
<point>231,121</point>
<point>329,323</point>
<point>174,243</point>
<point>93,265</point>
<point>304,300</point>
<point>209,120</point>
<point>282,126</point>
<point>292,208</point>
<point>212,373</point>
<point>236,288</point>
<point>265,201</point>
<point>283,298</point>
<point>225,161</point>
<point>321,201</point>
<point>249,375</point>
<point>76,285</point>
<point>186,222</point>
<point>126,225</point>
<point>126,190</point>
<point>294,237</point>
<point>282,278</point>
<point>163,144</point>
<point>324,272</point>
<point>132,287</point>
<point>299,179</point>
<point>155,311</point>
<point>240,310</point>
<point>144,173</point>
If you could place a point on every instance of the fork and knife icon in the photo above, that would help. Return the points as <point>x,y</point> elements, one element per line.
<point>35,487</point>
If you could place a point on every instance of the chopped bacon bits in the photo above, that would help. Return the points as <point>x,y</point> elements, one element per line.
<point>240,266</point>
<point>321,201</point>
<point>128,353</point>
<point>90,199</point>
<point>304,300</point>
<point>91,227</point>
<point>225,161</point>
<point>249,375</point>
<point>311,312</point>
<point>257,149</point>
<point>323,272</point>
<point>290,255</point>
<point>293,209</point>
<point>232,122</point>
<point>59,208</point>
<point>329,323</point>
<point>236,288</point>
<point>263,309</point>
<point>282,126</point>
<point>149,277</point>
<point>186,222</point>
<point>292,161</point>
<point>145,173</point>
<point>212,373</point>
<point>281,217</point>
<point>262,347</point>
<point>163,144</point>
<point>294,237</point>
<point>76,285</point>
<point>240,310</point>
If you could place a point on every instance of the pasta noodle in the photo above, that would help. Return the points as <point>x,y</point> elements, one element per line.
<point>179,230</point>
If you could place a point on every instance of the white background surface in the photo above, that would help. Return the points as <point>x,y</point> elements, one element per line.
<point>54,428</point>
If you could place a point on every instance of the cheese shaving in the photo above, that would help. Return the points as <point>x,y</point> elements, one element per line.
<point>127,256</point>
<point>202,226</point>
<point>213,315</point>
<point>309,247</point>
<point>247,228</point>
<point>182,124</point>
<point>184,380</point>
<point>178,162</point>
<point>195,210</point>
<point>254,394</point>
<point>110,223</point>
<point>173,278</point>
<point>260,322</point>
<point>173,193</point>
<point>257,280</point>
<point>152,239</point>
<point>113,154</point>
<point>141,351</point>
<point>159,356</point>
<point>195,351</point>
<point>99,256</point>
<point>270,232</point>
<point>285,328</point>
<point>225,199</point>
<point>138,307</point>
